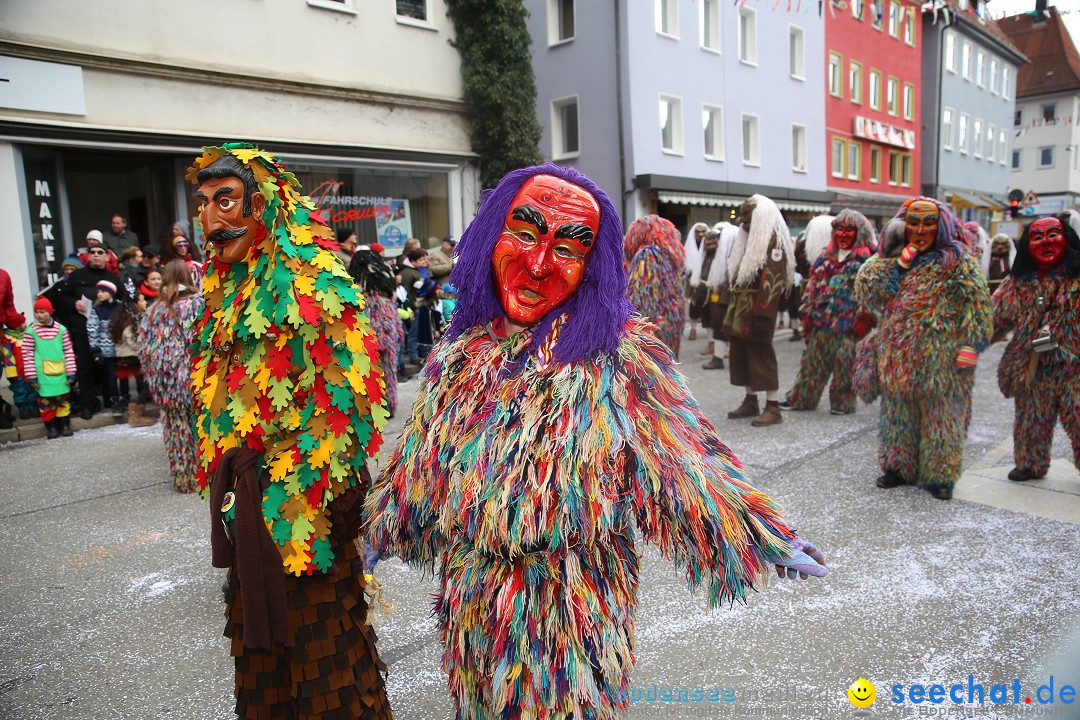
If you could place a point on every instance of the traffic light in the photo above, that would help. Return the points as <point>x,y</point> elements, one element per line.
<point>1016,196</point>
<point>1014,208</point>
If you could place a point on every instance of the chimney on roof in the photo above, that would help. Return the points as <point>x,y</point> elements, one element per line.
<point>1040,11</point>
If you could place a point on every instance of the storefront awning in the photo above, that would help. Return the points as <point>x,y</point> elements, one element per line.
<point>966,201</point>
<point>993,203</point>
<point>685,198</point>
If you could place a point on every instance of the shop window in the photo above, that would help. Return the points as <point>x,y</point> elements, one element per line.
<point>977,136</point>
<point>836,83</point>
<point>751,140</point>
<point>963,141</point>
<point>712,123</point>
<point>893,96</point>
<point>950,51</point>
<point>796,53</point>
<point>909,101</point>
<point>854,160</point>
<point>875,164</point>
<point>671,133</point>
<point>565,129</point>
<point>855,82</point>
<point>748,35</point>
<point>414,11</point>
<point>947,128</point>
<point>561,21</point>
<point>667,17</point>
<point>839,146</point>
<point>710,24</point>
<point>875,89</point>
<point>1046,156</point>
<point>798,148</point>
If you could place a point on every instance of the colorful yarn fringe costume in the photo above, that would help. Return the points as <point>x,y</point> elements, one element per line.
<point>165,336</point>
<point>376,280</point>
<point>289,407</point>
<point>832,321</point>
<point>930,314</point>
<point>654,265</point>
<point>1045,386</point>
<point>526,466</point>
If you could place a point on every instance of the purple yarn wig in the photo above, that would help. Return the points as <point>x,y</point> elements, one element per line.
<point>596,313</point>
<point>950,241</point>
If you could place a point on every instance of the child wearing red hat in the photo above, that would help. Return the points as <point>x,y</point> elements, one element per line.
<point>49,367</point>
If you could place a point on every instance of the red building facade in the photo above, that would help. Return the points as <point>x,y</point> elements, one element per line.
<point>873,65</point>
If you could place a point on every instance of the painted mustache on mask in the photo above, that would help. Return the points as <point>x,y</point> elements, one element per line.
<point>226,235</point>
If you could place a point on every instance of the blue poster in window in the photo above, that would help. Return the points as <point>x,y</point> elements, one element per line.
<point>393,224</point>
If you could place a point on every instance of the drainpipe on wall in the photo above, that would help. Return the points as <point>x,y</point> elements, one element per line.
<point>619,108</point>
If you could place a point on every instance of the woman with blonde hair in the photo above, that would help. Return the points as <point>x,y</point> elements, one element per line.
<point>164,338</point>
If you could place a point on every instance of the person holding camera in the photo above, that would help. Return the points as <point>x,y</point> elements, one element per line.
<point>1040,369</point>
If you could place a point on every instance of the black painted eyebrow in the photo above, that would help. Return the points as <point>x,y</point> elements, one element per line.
<point>529,214</point>
<point>575,231</point>
<point>223,191</point>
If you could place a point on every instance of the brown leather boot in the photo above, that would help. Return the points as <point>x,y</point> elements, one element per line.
<point>137,416</point>
<point>749,408</point>
<point>771,415</point>
<point>693,334</point>
<point>708,349</point>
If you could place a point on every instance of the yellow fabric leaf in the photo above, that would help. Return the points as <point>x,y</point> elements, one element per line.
<point>280,466</point>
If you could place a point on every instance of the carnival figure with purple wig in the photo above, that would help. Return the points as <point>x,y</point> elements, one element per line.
<point>832,321</point>
<point>936,318</point>
<point>550,423</point>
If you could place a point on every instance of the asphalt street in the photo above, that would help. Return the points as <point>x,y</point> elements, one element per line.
<point>109,607</point>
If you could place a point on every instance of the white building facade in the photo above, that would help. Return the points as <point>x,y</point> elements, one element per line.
<point>107,103</point>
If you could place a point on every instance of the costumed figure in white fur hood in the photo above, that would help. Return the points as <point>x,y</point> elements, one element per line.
<point>695,256</point>
<point>715,278</point>
<point>761,269</point>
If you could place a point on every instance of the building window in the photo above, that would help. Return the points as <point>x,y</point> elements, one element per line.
<point>710,24</point>
<point>905,169</point>
<point>858,8</point>
<point>839,146</point>
<point>1004,83</point>
<point>947,128</point>
<point>667,17</point>
<point>565,138</point>
<point>560,21</point>
<point>990,143</point>
<point>909,101</point>
<point>965,60</point>
<point>950,51</point>
<point>345,6</point>
<point>748,35</point>
<point>893,96</point>
<point>712,122</point>
<point>963,143</point>
<point>1046,156</point>
<point>836,70</point>
<point>855,82</point>
<point>894,19</point>
<point>798,148</point>
<point>980,69</point>
<point>977,136</point>
<point>751,140</point>
<point>671,135</point>
<point>1018,117</point>
<point>994,76</point>
<point>875,164</point>
<point>909,27</point>
<point>854,159</point>
<point>414,10</point>
<point>875,89</point>
<point>877,13</point>
<point>1048,113</point>
<point>1001,146</point>
<point>796,53</point>
<point>895,170</point>
<point>1015,159</point>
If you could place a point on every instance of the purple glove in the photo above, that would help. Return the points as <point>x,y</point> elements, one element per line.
<point>805,560</point>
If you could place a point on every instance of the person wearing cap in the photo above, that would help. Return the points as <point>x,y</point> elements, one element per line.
<point>72,309</point>
<point>101,341</point>
<point>93,240</point>
<point>379,249</point>
<point>49,367</point>
<point>346,245</point>
<point>119,235</point>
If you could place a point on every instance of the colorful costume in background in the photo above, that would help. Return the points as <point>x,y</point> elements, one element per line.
<point>531,457</point>
<point>832,321</point>
<point>654,266</point>
<point>49,366</point>
<point>165,336</point>
<point>26,400</point>
<point>935,313</point>
<point>1043,377</point>
<point>289,407</point>
<point>376,279</point>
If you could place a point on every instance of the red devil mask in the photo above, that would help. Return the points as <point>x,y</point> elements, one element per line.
<point>540,258</point>
<point>1046,243</point>
<point>845,235</point>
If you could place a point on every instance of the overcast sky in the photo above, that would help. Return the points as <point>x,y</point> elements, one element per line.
<point>1070,12</point>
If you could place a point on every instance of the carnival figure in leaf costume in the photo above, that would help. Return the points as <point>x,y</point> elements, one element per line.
<point>832,321</point>
<point>936,318</point>
<point>550,424</point>
<point>1040,370</point>
<point>289,407</point>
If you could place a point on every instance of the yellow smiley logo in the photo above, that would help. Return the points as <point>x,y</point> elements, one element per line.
<point>862,693</point>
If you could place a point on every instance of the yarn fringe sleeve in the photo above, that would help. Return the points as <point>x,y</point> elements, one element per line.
<point>877,282</point>
<point>973,299</point>
<point>687,488</point>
